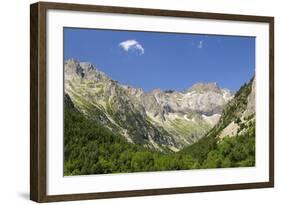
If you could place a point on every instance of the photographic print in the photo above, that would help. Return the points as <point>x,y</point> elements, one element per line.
<point>141,101</point>
<point>129,102</point>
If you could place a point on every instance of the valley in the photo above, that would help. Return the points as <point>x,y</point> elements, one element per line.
<point>113,128</point>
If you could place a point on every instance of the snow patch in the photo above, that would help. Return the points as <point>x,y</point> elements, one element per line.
<point>226,95</point>
<point>186,118</point>
<point>213,119</point>
<point>190,93</point>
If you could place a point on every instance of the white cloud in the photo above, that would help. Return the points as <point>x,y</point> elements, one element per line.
<point>200,44</point>
<point>132,45</point>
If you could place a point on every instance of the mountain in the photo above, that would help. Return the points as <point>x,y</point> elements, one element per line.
<point>238,113</point>
<point>114,128</point>
<point>161,120</point>
<point>231,142</point>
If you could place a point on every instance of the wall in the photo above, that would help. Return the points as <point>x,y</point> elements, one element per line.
<point>14,103</point>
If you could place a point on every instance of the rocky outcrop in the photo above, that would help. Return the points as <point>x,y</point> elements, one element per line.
<point>251,105</point>
<point>240,112</point>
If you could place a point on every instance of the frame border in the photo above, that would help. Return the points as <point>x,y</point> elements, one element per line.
<point>38,111</point>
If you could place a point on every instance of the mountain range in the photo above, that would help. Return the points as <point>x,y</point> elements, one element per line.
<point>161,120</point>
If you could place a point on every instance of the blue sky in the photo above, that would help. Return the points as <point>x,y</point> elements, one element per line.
<point>167,61</point>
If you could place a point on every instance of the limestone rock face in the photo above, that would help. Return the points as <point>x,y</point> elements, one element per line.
<point>244,112</point>
<point>251,105</point>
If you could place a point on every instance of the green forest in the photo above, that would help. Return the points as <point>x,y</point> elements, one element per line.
<point>90,148</point>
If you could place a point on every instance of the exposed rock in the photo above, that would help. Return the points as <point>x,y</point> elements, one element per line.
<point>230,130</point>
<point>251,105</point>
<point>205,87</point>
<point>244,114</point>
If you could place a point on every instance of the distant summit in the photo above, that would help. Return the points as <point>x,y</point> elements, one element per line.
<point>204,87</point>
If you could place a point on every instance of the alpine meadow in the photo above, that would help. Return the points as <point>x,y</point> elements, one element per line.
<point>148,101</point>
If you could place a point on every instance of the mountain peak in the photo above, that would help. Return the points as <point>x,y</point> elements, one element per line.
<point>204,87</point>
<point>132,90</point>
<point>80,68</point>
